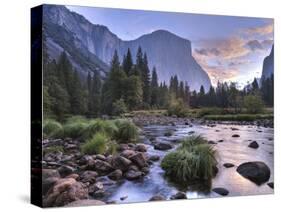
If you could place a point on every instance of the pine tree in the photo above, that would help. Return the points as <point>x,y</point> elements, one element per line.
<point>154,88</point>
<point>145,75</point>
<point>201,96</point>
<point>128,63</point>
<point>78,101</point>
<point>96,94</point>
<point>187,94</point>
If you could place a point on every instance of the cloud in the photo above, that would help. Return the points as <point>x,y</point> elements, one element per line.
<point>254,45</point>
<point>259,45</point>
<point>261,30</point>
<point>217,71</point>
<point>208,52</point>
<point>230,48</point>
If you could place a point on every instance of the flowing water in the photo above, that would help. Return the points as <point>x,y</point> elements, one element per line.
<point>231,150</point>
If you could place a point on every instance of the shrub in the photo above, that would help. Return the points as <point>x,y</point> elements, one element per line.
<point>253,104</point>
<point>127,131</point>
<point>239,117</point>
<point>95,145</point>
<point>193,161</point>
<point>100,126</point>
<point>119,107</point>
<point>210,111</point>
<point>75,129</point>
<point>52,129</point>
<point>178,108</point>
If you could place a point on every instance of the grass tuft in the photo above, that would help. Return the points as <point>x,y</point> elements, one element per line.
<point>52,129</point>
<point>193,161</point>
<point>95,145</point>
<point>127,131</point>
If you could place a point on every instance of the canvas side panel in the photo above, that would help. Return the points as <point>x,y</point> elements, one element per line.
<point>36,105</point>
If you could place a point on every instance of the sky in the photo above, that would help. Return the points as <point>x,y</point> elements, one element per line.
<point>228,48</point>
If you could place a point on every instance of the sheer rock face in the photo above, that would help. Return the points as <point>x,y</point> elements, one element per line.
<point>169,53</point>
<point>268,65</point>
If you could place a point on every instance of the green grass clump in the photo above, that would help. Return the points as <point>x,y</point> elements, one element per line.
<point>75,129</point>
<point>127,131</point>
<point>95,145</point>
<point>210,111</point>
<point>193,161</point>
<point>100,126</point>
<point>52,129</point>
<point>239,117</point>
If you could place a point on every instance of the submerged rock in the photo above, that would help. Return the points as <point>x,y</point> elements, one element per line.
<point>157,198</point>
<point>179,195</point>
<point>254,145</point>
<point>221,191</point>
<point>257,171</point>
<point>133,175</point>
<point>162,146</point>
<point>228,165</point>
<point>271,185</point>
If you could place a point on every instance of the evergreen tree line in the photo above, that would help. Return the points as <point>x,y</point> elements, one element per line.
<point>132,86</point>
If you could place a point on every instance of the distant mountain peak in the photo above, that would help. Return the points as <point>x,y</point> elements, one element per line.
<point>268,65</point>
<point>169,53</point>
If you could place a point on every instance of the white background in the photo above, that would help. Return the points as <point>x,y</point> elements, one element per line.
<point>15,102</point>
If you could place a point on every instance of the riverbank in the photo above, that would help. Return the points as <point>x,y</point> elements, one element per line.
<point>133,173</point>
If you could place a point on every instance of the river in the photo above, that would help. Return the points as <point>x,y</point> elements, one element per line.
<point>233,150</point>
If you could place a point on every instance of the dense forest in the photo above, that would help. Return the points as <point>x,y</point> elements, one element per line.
<point>133,86</point>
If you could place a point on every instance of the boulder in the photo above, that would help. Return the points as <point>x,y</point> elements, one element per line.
<point>179,195</point>
<point>221,191</point>
<point>46,173</point>
<point>85,159</point>
<point>47,183</point>
<point>162,146</point>
<point>157,198</point>
<point>103,166</point>
<point>115,175</point>
<point>228,165</point>
<point>101,157</point>
<point>133,175</point>
<point>66,170</point>
<point>138,159</point>
<point>74,176</point>
<point>254,145</point>
<point>235,135</point>
<point>85,202</point>
<point>122,163</point>
<point>257,171</point>
<point>88,177</point>
<point>141,148</point>
<point>127,153</point>
<point>96,189</point>
<point>65,191</point>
